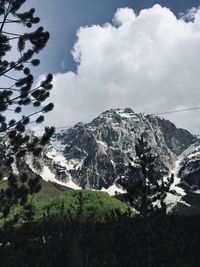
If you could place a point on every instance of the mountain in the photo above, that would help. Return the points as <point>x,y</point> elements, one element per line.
<point>95,155</point>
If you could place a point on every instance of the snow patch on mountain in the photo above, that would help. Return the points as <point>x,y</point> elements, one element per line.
<point>57,144</point>
<point>193,152</point>
<point>60,160</point>
<point>176,192</point>
<point>14,168</point>
<point>48,176</point>
<point>103,147</point>
<point>113,190</point>
<point>126,113</point>
<point>196,192</point>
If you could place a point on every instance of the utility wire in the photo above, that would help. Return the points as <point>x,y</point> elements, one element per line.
<point>176,111</point>
<point>155,114</point>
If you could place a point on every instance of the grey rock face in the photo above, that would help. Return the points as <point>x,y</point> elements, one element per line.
<point>177,140</point>
<point>100,150</point>
<point>190,167</point>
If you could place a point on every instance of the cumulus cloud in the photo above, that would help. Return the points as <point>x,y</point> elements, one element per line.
<point>148,62</point>
<point>123,15</point>
<point>190,15</point>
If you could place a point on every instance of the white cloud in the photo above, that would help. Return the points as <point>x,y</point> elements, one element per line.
<point>149,62</point>
<point>190,14</point>
<point>124,15</point>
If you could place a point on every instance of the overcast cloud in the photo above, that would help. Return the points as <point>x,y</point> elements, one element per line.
<point>149,62</point>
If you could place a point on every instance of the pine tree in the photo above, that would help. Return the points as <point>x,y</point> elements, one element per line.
<point>146,191</point>
<point>21,103</point>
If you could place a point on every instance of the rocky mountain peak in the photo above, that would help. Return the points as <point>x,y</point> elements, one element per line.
<point>95,155</point>
<point>99,151</point>
<point>115,116</point>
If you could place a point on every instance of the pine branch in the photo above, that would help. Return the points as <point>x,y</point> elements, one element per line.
<point>4,19</point>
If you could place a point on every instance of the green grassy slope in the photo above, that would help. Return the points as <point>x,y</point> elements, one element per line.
<point>48,192</point>
<point>57,199</point>
<point>89,203</point>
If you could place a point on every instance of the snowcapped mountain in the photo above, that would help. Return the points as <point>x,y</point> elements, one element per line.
<point>96,154</point>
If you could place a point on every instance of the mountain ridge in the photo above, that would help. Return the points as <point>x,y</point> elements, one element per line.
<point>108,141</point>
<point>95,155</point>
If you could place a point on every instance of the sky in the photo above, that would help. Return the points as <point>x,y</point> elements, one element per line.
<point>120,53</point>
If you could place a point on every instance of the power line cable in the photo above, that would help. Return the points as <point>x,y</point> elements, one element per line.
<point>176,111</point>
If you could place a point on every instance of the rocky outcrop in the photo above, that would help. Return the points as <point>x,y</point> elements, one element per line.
<point>97,153</point>
<point>190,167</point>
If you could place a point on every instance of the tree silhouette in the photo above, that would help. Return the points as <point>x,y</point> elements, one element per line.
<point>22,103</point>
<point>146,191</point>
